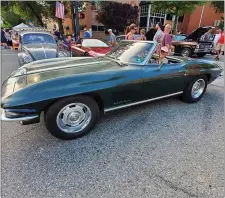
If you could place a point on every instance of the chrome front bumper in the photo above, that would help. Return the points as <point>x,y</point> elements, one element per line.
<point>22,118</point>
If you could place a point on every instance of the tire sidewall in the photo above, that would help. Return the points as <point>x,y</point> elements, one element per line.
<point>187,96</point>
<point>189,55</point>
<point>52,112</point>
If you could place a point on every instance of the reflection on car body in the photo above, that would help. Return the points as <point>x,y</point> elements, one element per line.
<point>73,92</point>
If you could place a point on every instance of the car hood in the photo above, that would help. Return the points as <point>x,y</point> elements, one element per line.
<point>99,50</point>
<point>196,34</point>
<point>47,69</point>
<point>41,51</point>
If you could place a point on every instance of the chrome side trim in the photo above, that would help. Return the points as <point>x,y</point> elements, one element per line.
<point>141,102</point>
<point>25,118</point>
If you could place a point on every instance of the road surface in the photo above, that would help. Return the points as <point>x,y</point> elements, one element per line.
<point>165,148</point>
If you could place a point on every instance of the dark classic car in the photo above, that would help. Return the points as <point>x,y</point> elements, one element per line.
<point>193,44</point>
<point>73,92</point>
<point>37,45</point>
<point>90,47</point>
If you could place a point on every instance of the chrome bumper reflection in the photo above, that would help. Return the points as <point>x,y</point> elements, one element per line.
<point>22,118</point>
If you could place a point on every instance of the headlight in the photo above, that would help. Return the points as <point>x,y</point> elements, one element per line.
<point>197,46</point>
<point>26,58</point>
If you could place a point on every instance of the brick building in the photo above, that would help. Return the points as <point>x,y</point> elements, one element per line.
<point>202,16</point>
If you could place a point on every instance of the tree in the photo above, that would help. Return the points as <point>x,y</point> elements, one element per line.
<point>178,8</point>
<point>116,15</point>
<point>218,6</point>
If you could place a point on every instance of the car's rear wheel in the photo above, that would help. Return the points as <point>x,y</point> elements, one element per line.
<point>201,54</point>
<point>195,90</point>
<point>72,117</point>
<point>186,52</point>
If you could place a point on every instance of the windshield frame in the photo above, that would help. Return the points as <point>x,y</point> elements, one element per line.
<point>138,41</point>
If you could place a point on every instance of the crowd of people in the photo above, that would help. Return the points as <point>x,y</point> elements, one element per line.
<point>6,38</point>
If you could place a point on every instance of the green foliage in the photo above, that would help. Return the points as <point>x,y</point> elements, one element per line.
<point>218,6</point>
<point>177,8</point>
<point>116,15</point>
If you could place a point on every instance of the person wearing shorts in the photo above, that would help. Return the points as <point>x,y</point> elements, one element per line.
<point>220,45</point>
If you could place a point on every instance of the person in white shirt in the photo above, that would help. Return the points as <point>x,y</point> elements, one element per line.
<point>216,39</point>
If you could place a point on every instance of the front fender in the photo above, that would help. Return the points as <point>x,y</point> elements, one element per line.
<point>45,92</point>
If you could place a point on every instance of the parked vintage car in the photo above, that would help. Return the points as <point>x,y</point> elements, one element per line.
<point>73,92</point>
<point>37,45</point>
<point>192,44</point>
<point>90,47</point>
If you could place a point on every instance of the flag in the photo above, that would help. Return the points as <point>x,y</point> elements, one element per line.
<point>59,10</point>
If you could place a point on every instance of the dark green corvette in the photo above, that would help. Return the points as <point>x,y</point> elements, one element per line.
<point>73,92</point>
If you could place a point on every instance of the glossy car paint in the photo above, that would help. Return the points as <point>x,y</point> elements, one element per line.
<point>41,51</point>
<point>80,50</point>
<point>102,78</point>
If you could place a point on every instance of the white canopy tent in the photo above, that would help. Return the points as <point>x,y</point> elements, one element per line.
<point>20,26</point>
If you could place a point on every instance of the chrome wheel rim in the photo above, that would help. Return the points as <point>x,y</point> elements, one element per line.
<point>73,117</point>
<point>185,53</point>
<point>198,88</point>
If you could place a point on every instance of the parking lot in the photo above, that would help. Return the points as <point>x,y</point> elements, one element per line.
<point>165,148</point>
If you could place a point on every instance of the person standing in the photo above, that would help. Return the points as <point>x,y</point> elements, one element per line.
<point>150,34</point>
<point>130,31</point>
<point>159,35</point>
<point>142,37</point>
<point>8,38</point>
<point>208,36</point>
<point>86,33</point>
<point>216,39</point>
<point>167,37</point>
<point>3,39</point>
<point>112,38</point>
<point>220,45</point>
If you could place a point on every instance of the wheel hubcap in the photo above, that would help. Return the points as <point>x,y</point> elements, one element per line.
<point>73,117</point>
<point>198,88</point>
<point>185,53</point>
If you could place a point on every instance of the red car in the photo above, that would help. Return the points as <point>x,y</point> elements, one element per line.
<point>90,47</point>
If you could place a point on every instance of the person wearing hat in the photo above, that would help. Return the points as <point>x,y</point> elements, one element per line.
<point>159,35</point>
<point>112,38</point>
<point>163,54</point>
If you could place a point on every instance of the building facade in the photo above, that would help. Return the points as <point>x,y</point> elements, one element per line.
<point>202,16</point>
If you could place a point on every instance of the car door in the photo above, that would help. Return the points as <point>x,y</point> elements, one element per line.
<point>161,80</point>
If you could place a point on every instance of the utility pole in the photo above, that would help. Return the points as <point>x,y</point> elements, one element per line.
<point>149,15</point>
<point>76,19</point>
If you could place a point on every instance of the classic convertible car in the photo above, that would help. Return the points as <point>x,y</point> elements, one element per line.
<point>90,47</point>
<point>73,92</point>
<point>37,45</point>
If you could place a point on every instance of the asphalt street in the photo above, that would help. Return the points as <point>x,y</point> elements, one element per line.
<point>165,148</point>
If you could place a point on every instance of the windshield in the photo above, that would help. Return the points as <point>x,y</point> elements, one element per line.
<point>93,43</point>
<point>179,37</point>
<point>38,38</point>
<point>131,52</point>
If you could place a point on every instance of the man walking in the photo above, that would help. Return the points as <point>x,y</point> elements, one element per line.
<point>159,34</point>
<point>112,38</point>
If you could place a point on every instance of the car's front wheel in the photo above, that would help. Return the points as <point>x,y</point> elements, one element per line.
<point>195,90</point>
<point>186,52</point>
<point>72,117</point>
